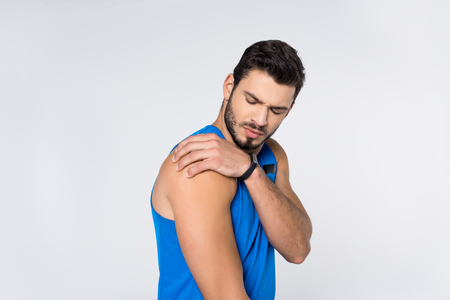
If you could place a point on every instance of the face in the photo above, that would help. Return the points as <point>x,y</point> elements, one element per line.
<point>255,108</point>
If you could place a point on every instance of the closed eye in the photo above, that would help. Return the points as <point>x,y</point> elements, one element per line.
<point>277,111</point>
<point>251,101</point>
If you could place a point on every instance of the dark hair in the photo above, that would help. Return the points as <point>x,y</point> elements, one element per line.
<point>277,58</point>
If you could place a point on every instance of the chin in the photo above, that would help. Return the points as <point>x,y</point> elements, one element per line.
<point>249,144</point>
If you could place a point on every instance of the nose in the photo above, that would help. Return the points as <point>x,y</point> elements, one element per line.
<point>260,115</point>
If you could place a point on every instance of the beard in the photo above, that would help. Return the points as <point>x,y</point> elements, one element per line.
<point>249,143</point>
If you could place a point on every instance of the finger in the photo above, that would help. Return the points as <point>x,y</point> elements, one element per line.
<point>197,138</point>
<point>200,167</point>
<point>195,146</point>
<point>193,157</point>
<point>188,148</point>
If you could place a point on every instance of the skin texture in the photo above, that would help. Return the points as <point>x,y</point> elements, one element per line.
<point>258,105</point>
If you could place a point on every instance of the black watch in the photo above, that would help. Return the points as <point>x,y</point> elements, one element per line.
<point>254,162</point>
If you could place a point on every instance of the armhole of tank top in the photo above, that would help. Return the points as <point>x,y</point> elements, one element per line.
<point>270,155</point>
<point>154,212</point>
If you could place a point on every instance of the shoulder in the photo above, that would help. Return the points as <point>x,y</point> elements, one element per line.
<point>277,150</point>
<point>205,190</point>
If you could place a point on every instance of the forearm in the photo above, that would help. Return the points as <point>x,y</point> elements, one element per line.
<point>286,225</point>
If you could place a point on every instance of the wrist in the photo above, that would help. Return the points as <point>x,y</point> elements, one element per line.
<point>256,175</point>
<point>251,168</point>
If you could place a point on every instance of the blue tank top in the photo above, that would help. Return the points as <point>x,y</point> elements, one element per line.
<point>256,253</point>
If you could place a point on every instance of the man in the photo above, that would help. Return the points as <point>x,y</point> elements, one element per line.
<point>222,200</point>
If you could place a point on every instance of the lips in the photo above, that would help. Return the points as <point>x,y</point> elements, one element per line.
<point>252,133</point>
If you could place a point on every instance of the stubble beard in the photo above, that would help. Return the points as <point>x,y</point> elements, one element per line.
<point>231,124</point>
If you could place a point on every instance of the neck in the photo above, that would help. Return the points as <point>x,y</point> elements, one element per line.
<point>220,123</point>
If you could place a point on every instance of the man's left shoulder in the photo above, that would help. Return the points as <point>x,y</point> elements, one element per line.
<point>276,148</point>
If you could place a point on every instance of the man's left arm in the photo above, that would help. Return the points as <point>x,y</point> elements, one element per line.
<point>283,217</point>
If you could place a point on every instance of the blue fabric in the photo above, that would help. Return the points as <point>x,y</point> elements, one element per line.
<point>256,253</point>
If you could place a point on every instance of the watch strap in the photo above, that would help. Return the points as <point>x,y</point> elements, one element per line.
<point>254,162</point>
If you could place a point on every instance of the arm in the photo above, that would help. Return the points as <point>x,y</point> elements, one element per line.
<point>282,215</point>
<point>202,216</point>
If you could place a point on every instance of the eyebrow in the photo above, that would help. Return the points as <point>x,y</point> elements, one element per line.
<point>259,101</point>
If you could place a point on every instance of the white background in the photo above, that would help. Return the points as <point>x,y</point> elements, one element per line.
<point>94,94</point>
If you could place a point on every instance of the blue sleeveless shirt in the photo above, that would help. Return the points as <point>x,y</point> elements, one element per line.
<point>255,251</point>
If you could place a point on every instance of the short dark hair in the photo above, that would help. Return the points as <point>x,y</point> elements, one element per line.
<point>279,60</point>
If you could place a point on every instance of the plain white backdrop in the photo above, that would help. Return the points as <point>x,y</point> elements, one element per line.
<point>94,94</point>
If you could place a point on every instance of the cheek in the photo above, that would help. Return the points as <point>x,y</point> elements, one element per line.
<point>274,122</point>
<point>242,115</point>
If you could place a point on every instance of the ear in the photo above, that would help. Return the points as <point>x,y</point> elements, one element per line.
<point>228,86</point>
<point>292,105</point>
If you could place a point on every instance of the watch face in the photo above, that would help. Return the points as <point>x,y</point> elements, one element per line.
<point>254,158</point>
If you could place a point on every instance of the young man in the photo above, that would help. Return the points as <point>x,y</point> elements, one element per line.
<point>222,200</point>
